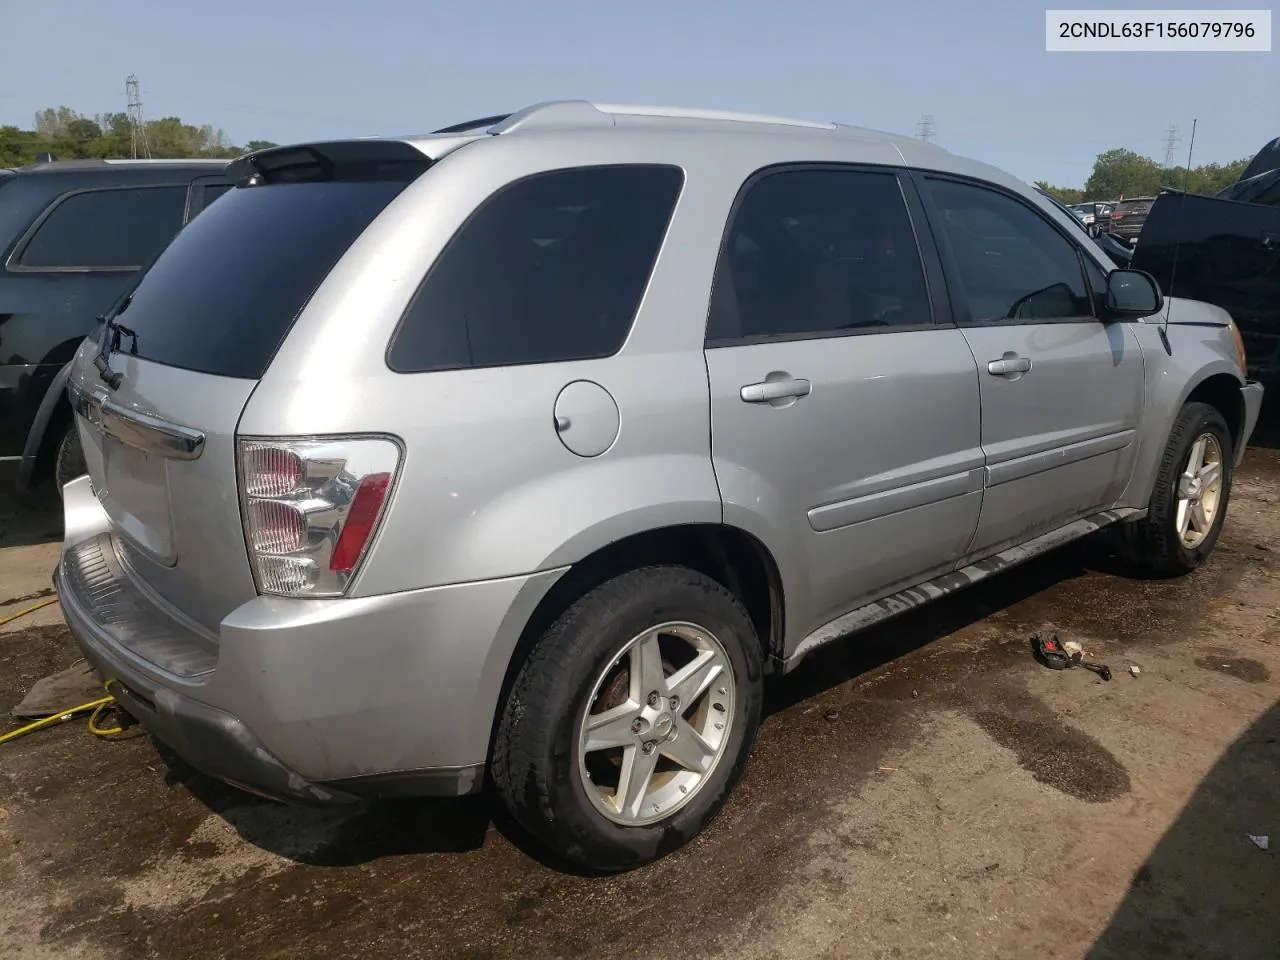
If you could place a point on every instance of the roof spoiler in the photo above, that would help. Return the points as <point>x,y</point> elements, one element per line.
<point>369,159</point>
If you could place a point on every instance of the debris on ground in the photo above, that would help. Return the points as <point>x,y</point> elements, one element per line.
<point>1073,648</point>
<point>1262,842</point>
<point>832,714</point>
<point>1134,670</point>
<point>50,695</point>
<point>1052,652</point>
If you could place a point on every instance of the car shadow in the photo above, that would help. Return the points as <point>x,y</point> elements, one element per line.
<point>29,517</point>
<point>337,836</point>
<point>846,659</point>
<point>1207,890</point>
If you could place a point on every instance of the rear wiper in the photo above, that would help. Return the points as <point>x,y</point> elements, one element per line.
<point>109,343</point>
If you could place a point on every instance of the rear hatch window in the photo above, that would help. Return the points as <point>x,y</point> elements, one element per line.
<point>1134,207</point>
<point>225,293</point>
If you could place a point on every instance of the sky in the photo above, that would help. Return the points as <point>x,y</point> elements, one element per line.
<point>292,70</point>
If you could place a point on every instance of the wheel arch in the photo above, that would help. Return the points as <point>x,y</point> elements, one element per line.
<point>1222,392</point>
<point>729,555</point>
<point>1216,382</point>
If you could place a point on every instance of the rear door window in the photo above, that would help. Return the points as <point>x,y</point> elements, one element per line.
<point>816,253</point>
<point>549,268</point>
<point>113,229</point>
<point>225,293</point>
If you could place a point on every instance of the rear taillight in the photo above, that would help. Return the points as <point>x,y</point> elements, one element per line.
<point>311,509</point>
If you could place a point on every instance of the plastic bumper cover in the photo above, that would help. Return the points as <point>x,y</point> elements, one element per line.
<point>306,700</point>
<point>1252,393</point>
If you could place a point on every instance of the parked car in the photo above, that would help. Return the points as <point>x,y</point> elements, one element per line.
<point>73,236</point>
<point>1127,218</point>
<point>523,453</point>
<point>1119,253</point>
<point>1084,212</point>
<point>1093,214</point>
<point>1225,250</point>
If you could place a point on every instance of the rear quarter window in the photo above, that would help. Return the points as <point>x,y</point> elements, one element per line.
<point>550,268</point>
<point>119,228</point>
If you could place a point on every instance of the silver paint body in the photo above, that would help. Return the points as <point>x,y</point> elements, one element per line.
<point>906,463</point>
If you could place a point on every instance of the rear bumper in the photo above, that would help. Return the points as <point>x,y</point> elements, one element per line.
<point>303,700</point>
<point>1252,393</point>
<point>211,740</point>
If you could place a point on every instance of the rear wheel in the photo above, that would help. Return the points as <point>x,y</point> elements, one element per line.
<point>1189,503</point>
<point>631,719</point>
<point>69,462</point>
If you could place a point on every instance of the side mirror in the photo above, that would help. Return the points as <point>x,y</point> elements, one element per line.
<point>1131,294</point>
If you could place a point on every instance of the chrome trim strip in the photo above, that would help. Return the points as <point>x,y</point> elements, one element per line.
<point>141,430</point>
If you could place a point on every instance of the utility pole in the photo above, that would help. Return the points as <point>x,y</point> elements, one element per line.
<point>1171,141</point>
<point>924,129</point>
<point>137,126</point>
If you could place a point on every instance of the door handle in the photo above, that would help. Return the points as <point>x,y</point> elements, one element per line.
<point>769,390</point>
<point>1270,240</point>
<point>1008,365</point>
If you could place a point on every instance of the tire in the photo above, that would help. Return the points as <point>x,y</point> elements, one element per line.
<point>69,462</point>
<point>1154,545</point>
<point>540,769</point>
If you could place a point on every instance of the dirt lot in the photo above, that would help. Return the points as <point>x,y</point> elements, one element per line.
<point>926,790</point>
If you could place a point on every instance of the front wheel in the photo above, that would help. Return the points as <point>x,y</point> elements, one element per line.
<point>631,719</point>
<point>1189,503</point>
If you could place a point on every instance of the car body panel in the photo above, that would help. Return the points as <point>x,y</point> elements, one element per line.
<point>491,507</point>
<point>176,521</point>
<point>882,504</point>
<point>1201,348</point>
<point>1060,439</point>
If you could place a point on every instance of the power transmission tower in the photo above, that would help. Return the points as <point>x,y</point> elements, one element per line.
<point>924,129</point>
<point>1171,141</point>
<point>137,126</point>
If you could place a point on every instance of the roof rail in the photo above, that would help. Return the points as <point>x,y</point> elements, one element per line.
<point>554,113</point>
<point>693,113</point>
<point>583,113</point>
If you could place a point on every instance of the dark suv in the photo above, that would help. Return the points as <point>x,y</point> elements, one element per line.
<point>1128,217</point>
<point>74,236</point>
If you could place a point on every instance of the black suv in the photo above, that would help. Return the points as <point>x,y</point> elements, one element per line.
<point>1127,218</point>
<point>74,236</point>
<point>1225,250</point>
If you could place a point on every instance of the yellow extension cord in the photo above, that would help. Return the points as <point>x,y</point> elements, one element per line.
<point>99,707</point>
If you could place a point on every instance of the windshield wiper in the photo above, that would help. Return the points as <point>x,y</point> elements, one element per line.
<point>108,343</point>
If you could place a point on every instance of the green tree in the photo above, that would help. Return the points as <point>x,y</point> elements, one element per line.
<point>1067,195</point>
<point>1209,179</point>
<point>18,147</point>
<point>254,145</point>
<point>82,128</point>
<point>70,135</point>
<point>1123,173</point>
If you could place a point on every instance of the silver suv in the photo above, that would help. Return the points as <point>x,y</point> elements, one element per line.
<point>522,452</point>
